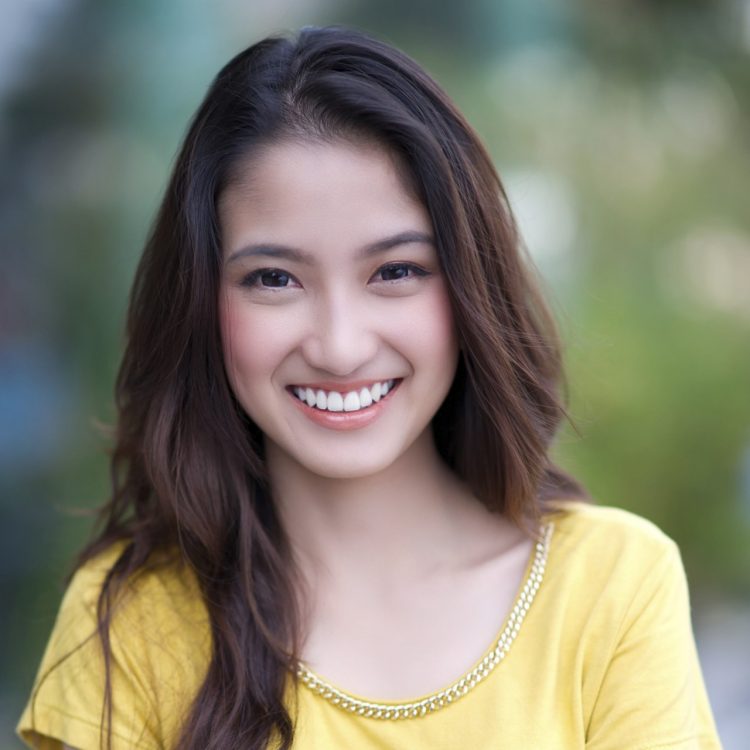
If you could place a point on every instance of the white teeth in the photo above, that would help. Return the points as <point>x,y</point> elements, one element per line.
<point>365,399</point>
<point>335,401</point>
<point>351,401</point>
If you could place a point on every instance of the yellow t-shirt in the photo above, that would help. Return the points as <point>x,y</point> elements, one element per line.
<point>605,659</point>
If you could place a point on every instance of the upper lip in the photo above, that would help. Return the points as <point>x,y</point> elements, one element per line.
<point>330,385</point>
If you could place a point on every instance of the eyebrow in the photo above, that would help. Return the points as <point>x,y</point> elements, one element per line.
<point>270,250</point>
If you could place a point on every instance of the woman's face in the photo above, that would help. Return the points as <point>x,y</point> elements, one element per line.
<point>336,323</point>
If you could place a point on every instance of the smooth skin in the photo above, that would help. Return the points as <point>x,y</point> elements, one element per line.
<point>406,577</point>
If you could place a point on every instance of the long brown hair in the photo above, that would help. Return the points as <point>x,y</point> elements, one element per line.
<point>187,467</point>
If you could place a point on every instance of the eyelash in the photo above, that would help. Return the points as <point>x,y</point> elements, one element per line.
<point>252,279</point>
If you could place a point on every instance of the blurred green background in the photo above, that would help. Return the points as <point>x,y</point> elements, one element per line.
<point>621,132</point>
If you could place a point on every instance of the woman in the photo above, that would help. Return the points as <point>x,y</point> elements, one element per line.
<point>331,472</point>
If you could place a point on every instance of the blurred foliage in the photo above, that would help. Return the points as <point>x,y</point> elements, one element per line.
<point>621,131</point>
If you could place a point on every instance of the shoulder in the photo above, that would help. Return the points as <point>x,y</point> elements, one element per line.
<point>604,554</point>
<point>159,646</point>
<point>583,517</point>
<point>607,532</point>
<point>164,595</point>
<point>618,610</point>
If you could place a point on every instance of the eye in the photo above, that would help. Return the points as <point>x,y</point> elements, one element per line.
<point>399,271</point>
<point>268,278</point>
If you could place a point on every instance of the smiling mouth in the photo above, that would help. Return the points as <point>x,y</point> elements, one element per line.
<point>345,401</point>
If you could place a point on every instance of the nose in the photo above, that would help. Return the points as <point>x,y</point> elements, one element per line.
<point>341,337</point>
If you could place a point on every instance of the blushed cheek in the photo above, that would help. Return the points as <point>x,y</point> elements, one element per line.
<point>241,347</point>
<point>254,342</point>
<point>439,324</point>
<point>430,341</point>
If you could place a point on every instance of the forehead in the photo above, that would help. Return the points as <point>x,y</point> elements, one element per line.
<point>304,192</point>
<point>294,151</point>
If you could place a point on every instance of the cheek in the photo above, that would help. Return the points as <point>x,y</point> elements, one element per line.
<point>436,325</point>
<point>429,340</point>
<point>251,343</point>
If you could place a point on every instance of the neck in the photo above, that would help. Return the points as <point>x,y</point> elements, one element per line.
<point>402,522</point>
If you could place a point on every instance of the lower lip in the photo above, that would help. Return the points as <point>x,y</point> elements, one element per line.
<point>345,420</point>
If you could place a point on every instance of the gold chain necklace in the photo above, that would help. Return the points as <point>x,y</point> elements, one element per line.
<point>460,687</point>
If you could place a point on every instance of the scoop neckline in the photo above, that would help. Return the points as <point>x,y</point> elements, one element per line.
<point>492,657</point>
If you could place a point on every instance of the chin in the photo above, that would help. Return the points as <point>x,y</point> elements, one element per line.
<point>351,471</point>
<point>343,467</point>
